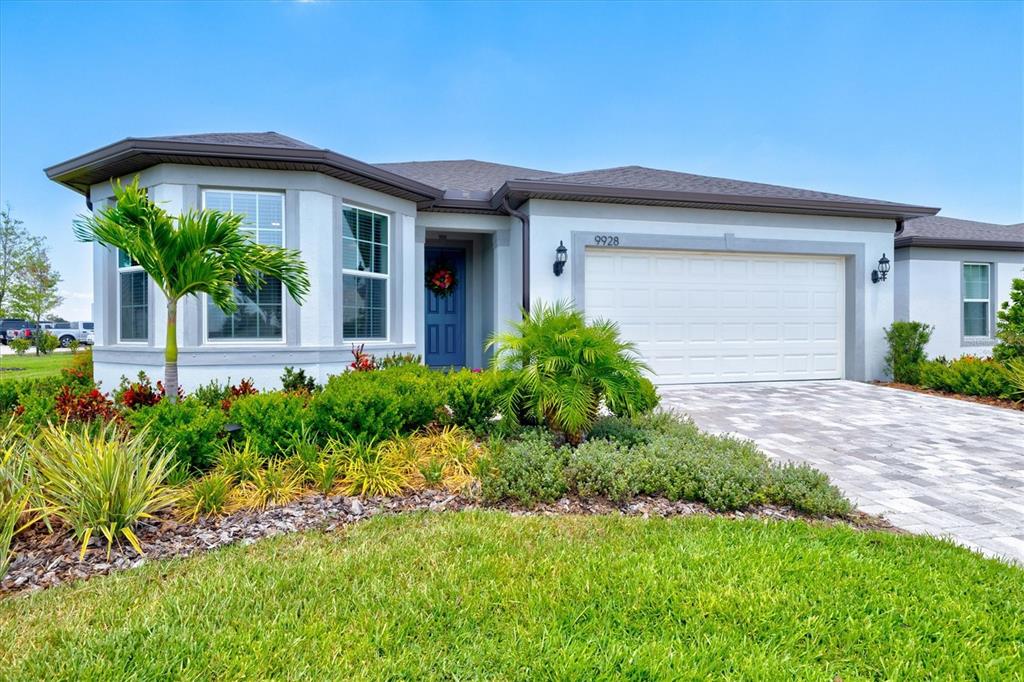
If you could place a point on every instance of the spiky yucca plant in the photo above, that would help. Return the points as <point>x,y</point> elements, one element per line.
<point>198,252</point>
<point>564,368</point>
<point>102,480</point>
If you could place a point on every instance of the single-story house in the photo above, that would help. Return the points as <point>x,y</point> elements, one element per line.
<point>713,279</point>
<point>954,274</point>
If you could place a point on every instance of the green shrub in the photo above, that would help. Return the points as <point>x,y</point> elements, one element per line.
<point>968,375</point>
<point>658,456</point>
<point>20,345</point>
<point>8,395</point>
<point>475,400</point>
<point>526,470</point>
<point>102,483</point>
<point>271,420</point>
<point>645,402</point>
<point>296,381</point>
<point>807,490</point>
<point>39,407</point>
<point>563,368</point>
<point>190,428</point>
<point>620,430</point>
<point>1010,325</point>
<point>45,342</point>
<point>378,404</point>
<point>906,350</point>
<point>212,394</point>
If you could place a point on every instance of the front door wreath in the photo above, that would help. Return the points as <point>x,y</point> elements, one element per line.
<point>441,279</point>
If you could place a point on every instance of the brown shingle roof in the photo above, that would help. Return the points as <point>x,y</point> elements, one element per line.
<point>268,139</point>
<point>465,176</point>
<point>466,185</point>
<point>640,177</point>
<point>958,233</point>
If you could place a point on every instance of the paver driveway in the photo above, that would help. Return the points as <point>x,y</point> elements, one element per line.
<point>929,464</point>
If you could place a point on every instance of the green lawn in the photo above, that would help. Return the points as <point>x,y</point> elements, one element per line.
<point>33,366</point>
<point>485,595</point>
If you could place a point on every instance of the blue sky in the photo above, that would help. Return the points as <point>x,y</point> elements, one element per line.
<point>917,102</point>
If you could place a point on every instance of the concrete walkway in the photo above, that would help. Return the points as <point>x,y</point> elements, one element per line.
<point>932,465</point>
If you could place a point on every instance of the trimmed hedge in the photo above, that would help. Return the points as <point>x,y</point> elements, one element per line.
<point>194,430</point>
<point>271,420</point>
<point>379,404</point>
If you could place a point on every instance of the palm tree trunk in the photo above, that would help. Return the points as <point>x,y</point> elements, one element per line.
<point>171,353</point>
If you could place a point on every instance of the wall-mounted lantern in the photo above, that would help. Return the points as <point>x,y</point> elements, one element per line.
<point>883,270</point>
<point>561,255</point>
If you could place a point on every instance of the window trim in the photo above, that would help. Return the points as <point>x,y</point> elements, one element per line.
<point>988,335</point>
<point>124,271</point>
<point>283,341</point>
<point>371,275</point>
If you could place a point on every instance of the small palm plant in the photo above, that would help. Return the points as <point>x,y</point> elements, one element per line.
<point>564,368</point>
<point>198,252</point>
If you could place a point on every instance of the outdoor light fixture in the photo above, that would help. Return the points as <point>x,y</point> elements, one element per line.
<point>561,255</point>
<point>883,270</point>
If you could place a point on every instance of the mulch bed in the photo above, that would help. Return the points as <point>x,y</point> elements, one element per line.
<point>43,559</point>
<point>984,400</point>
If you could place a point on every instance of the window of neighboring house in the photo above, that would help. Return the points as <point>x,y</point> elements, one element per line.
<point>365,236</point>
<point>977,295</point>
<point>260,314</point>
<point>133,300</point>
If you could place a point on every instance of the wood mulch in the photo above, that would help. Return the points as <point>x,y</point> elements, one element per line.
<point>983,400</point>
<point>44,559</point>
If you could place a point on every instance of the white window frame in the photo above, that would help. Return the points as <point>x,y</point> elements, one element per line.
<point>122,271</point>
<point>284,303</point>
<point>987,300</point>
<point>371,275</point>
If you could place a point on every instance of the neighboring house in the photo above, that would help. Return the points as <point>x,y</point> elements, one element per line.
<point>954,274</point>
<point>713,279</point>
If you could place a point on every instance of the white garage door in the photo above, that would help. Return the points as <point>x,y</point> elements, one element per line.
<point>709,317</point>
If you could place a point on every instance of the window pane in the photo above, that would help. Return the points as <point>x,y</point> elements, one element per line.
<point>218,201</point>
<point>134,306</point>
<point>259,314</point>
<point>123,261</point>
<point>976,319</point>
<point>245,204</point>
<point>348,220</point>
<point>364,307</point>
<point>976,283</point>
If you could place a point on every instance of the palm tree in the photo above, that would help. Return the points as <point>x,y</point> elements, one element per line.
<point>198,252</point>
<point>563,368</point>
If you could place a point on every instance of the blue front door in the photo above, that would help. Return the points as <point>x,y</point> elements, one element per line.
<point>446,315</point>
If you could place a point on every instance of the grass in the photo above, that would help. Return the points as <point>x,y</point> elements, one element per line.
<point>484,595</point>
<point>31,366</point>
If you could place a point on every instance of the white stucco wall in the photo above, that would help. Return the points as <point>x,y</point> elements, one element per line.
<point>931,279</point>
<point>554,221</point>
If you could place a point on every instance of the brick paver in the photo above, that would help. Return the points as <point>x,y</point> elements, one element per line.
<point>929,464</point>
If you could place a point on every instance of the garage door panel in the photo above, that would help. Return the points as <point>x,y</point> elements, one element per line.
<point>705,317</point>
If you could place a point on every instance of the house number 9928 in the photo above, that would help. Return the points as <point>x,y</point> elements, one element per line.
<point>606,240</point>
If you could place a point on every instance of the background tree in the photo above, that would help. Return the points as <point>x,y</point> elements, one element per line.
<point>198,252</point>
<point>16,244</point>
<point>34,295</point>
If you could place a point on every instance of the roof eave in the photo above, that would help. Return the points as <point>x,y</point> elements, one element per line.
<point>66,172</point>
<point>519,191</point>
<point>945,243</point>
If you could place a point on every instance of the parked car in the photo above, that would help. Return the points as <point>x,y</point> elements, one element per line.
<point>67,331</point>
<point>13,328</point>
